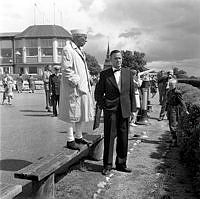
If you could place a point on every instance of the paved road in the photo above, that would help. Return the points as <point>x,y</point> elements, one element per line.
<point>27,132</point>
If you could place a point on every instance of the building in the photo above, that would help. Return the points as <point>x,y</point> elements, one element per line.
<point>107,62</point>
<point>29,51</point>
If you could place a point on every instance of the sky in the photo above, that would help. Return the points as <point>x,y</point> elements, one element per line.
<point>167,31</point>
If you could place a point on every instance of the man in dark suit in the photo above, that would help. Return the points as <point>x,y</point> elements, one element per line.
<point>115,95</point>
<point>54,88</point>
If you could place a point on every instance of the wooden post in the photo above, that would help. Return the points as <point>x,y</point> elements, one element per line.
<point>44,189</point>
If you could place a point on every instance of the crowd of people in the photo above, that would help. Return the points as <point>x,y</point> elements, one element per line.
<point>68,89</point>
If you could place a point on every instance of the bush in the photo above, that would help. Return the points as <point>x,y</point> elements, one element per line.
<point>193,82</point>
<point>189,126</point>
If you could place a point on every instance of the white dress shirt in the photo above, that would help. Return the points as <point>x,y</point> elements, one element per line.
<point>117,75</point>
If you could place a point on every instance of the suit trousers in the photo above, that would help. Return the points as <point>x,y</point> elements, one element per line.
<point>55,102</point>
<point>115,126</point>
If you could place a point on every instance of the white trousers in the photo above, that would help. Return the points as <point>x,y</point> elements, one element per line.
<point>74,130</point>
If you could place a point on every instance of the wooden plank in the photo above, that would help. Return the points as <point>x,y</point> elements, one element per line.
<point>9,191</point>
<point>48,165</point>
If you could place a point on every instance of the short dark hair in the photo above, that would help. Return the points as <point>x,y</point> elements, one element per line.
<point>114,51</point>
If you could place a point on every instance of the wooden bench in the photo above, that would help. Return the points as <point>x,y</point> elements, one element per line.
<point>42,172</point>
<point>9,191</point>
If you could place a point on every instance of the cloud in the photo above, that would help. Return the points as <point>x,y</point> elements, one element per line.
<point>134,32</point>
<point>165,30</point>
<point>170,29</point>
<point>191,66</point>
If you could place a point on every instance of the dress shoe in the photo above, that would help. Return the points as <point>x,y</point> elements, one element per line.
<point>106,171</point>
<point>123,169</point>
<point>72,145</point>
<point>82,141</point>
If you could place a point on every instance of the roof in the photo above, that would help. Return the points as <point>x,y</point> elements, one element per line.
<point>8,34</point>
<point>39,31</point>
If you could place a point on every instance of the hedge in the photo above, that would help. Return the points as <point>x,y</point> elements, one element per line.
<point>189,133</point>
<point>193,82</point>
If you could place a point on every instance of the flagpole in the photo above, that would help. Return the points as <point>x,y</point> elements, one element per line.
<point>54,13</point>
<point>35,13</point>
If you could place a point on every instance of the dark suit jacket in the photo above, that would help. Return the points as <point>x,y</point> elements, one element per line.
<point>54,84</point>
<point>109,97</point>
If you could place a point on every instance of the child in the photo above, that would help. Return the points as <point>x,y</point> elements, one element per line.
<point>173,101</point>
<point>8,90</point>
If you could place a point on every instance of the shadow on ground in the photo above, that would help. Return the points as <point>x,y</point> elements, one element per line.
<point>33,111</point>
<point>13,164</point>
<point>38,115</point>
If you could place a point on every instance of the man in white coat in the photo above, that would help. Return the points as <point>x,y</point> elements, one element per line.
<point>76,104</point>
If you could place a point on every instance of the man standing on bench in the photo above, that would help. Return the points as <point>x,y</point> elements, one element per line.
<point>76,104</point>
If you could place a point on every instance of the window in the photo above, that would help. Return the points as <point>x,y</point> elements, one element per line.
<point>46,47</point>
<point>18,43</point>
<point>30,43</point>
<point>31,51</point>
<point>32,69</point>
<point>46,43</point>
<point>5,44</point>
<point>31,47</point>
<point>59,51</point>
<point>21,70</point>
<point>47,52</point>
<point>6,52</point>
<point>61,43</point>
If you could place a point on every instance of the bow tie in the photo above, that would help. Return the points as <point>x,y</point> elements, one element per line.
<point>116,69</point>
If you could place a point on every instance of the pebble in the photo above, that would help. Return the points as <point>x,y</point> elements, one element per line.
<point>101,184</point>
<point>99,191</point>
<point>95,196</point>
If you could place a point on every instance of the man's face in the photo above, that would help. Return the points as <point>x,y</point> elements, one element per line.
<point>80,40</point>
<point>56,71</point>
<point>49,67</point>
<point>116,60</point>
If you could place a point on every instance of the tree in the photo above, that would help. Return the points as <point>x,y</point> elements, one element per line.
<point>134,60</point>
<point>93,65</point>
<point>179,73</point>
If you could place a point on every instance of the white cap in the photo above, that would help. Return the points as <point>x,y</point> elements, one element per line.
<point>56,67</point>
<point>170,72</point>
<point>79,32</point>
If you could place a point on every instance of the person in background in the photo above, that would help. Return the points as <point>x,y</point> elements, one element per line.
<point>8,92</point>
<point>5,85</point>
<point>165,82</point>
<point>115,94</point>
<point>46,75</point>
<point>153,86</point>
<point>137,98</point>
<point>76,103</point>
<point>173,102</point>
<point>31,83</point>
<point>19,83</point>
<point>54,88</point>
<point>161,90</point>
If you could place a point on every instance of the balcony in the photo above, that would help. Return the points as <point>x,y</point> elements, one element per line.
<point>47,59</point>
<point>6,60</point>
<point>31,60</point>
